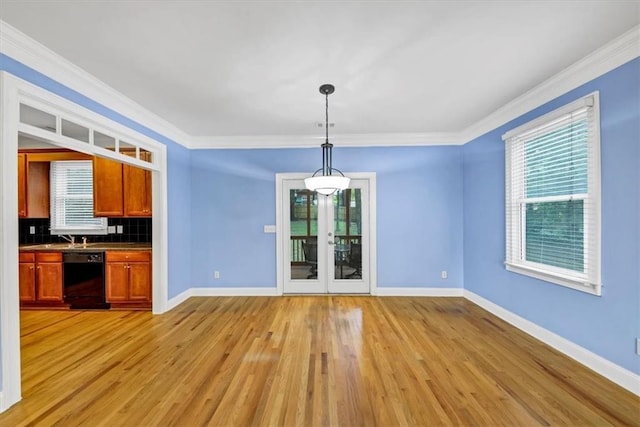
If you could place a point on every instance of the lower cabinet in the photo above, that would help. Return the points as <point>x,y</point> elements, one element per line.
<point>128,278</point>
<point>40,279</point>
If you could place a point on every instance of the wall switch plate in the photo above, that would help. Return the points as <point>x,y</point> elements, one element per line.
<point>111,229</point>
<point>269,228</point>
<point>32,229</point>
<point>444,274</point>
<point>119,229</point>
<point>638,346</point>
<point>216,274</point>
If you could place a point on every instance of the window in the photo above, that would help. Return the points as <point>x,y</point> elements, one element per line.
<point>72,199</point>
<point>553,197</point>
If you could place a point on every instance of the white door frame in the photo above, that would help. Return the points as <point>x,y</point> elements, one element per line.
<point>13,91</point>
<point>281,223</point>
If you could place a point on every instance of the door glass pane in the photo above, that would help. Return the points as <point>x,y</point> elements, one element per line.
<point>348,233</point>
<point>303,211</point>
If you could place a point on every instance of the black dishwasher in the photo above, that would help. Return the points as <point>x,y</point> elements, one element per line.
<point>84,280</point>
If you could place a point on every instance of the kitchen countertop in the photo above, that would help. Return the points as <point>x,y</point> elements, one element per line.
<point>89,247</point>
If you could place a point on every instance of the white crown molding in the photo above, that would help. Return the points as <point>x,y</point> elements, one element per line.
<point>610,56</point>
<point>29,52</point>
<point>345,140</point>
<point>619,375</point>
<point>22,48</point>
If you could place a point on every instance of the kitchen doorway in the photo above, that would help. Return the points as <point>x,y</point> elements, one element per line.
<point>62,123</point>
<point>326,243</point>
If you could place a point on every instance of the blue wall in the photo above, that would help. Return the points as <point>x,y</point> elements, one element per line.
<point>419,212</point>
<point>606,325</point>
<point>178,175</point>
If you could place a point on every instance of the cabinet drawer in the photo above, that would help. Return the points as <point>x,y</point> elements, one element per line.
<point>27,257</point>
<point>49,256</point>
<point>132,256</point>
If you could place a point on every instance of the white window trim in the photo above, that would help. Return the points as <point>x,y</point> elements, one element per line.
<point>57,229</point>
<point>592,238</point>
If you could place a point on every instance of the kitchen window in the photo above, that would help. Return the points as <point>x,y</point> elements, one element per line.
<point>72,199</point>
<point>553,197</point>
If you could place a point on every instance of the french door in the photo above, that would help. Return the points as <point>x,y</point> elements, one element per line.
<point>326,240</point>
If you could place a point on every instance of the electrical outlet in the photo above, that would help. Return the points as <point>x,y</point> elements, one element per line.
<point>444,274</point>
<point>216,275</point>
<point>32,229</point>
<point>111,229</point>
<point>119,229</point>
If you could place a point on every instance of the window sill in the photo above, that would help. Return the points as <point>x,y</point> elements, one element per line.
<point>557,279</point>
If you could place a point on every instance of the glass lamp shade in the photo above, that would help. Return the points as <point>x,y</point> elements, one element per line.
<point>327,184</point>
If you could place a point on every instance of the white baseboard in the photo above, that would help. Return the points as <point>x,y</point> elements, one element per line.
<point>418,292</point>
<point>179,299</point>
<point>619,375</point>
<point>233,292</point>
<point>219,292</point>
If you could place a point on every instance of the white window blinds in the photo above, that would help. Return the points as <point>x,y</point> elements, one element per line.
<point>553,197</point>
<point>72,199</point>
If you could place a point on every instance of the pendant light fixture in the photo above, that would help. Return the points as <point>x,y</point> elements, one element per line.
<point>327,183</point>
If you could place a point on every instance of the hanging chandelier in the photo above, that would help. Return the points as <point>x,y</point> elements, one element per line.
<point>327,183</point>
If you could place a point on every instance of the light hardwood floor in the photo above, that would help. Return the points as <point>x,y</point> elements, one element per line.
<point>303,361</point>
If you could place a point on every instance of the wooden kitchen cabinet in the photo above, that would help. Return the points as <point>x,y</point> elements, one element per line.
<point>128,278</point>
<point>39,189</point>
<point>40,278</point>
<point>137,191</point>
<point>33,179</point>
<point>22,185</point>
<point>107,188</point>
<point>27,277</point>
<point>120,190</point>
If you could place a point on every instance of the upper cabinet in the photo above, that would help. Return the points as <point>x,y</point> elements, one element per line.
<point>33,186</point>
<point>137,190</point>
<point>107,188</point>
<point>39,192</point>
<point>120,190</point>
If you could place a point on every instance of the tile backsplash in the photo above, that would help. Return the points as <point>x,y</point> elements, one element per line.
<point>134,230</point>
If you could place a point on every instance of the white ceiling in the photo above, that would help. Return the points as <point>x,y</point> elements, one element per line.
<point>248,68</point>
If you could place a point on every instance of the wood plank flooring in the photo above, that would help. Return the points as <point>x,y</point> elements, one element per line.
<point>303,361</point>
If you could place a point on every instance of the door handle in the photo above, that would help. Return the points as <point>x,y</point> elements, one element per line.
<point>330,242</point>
